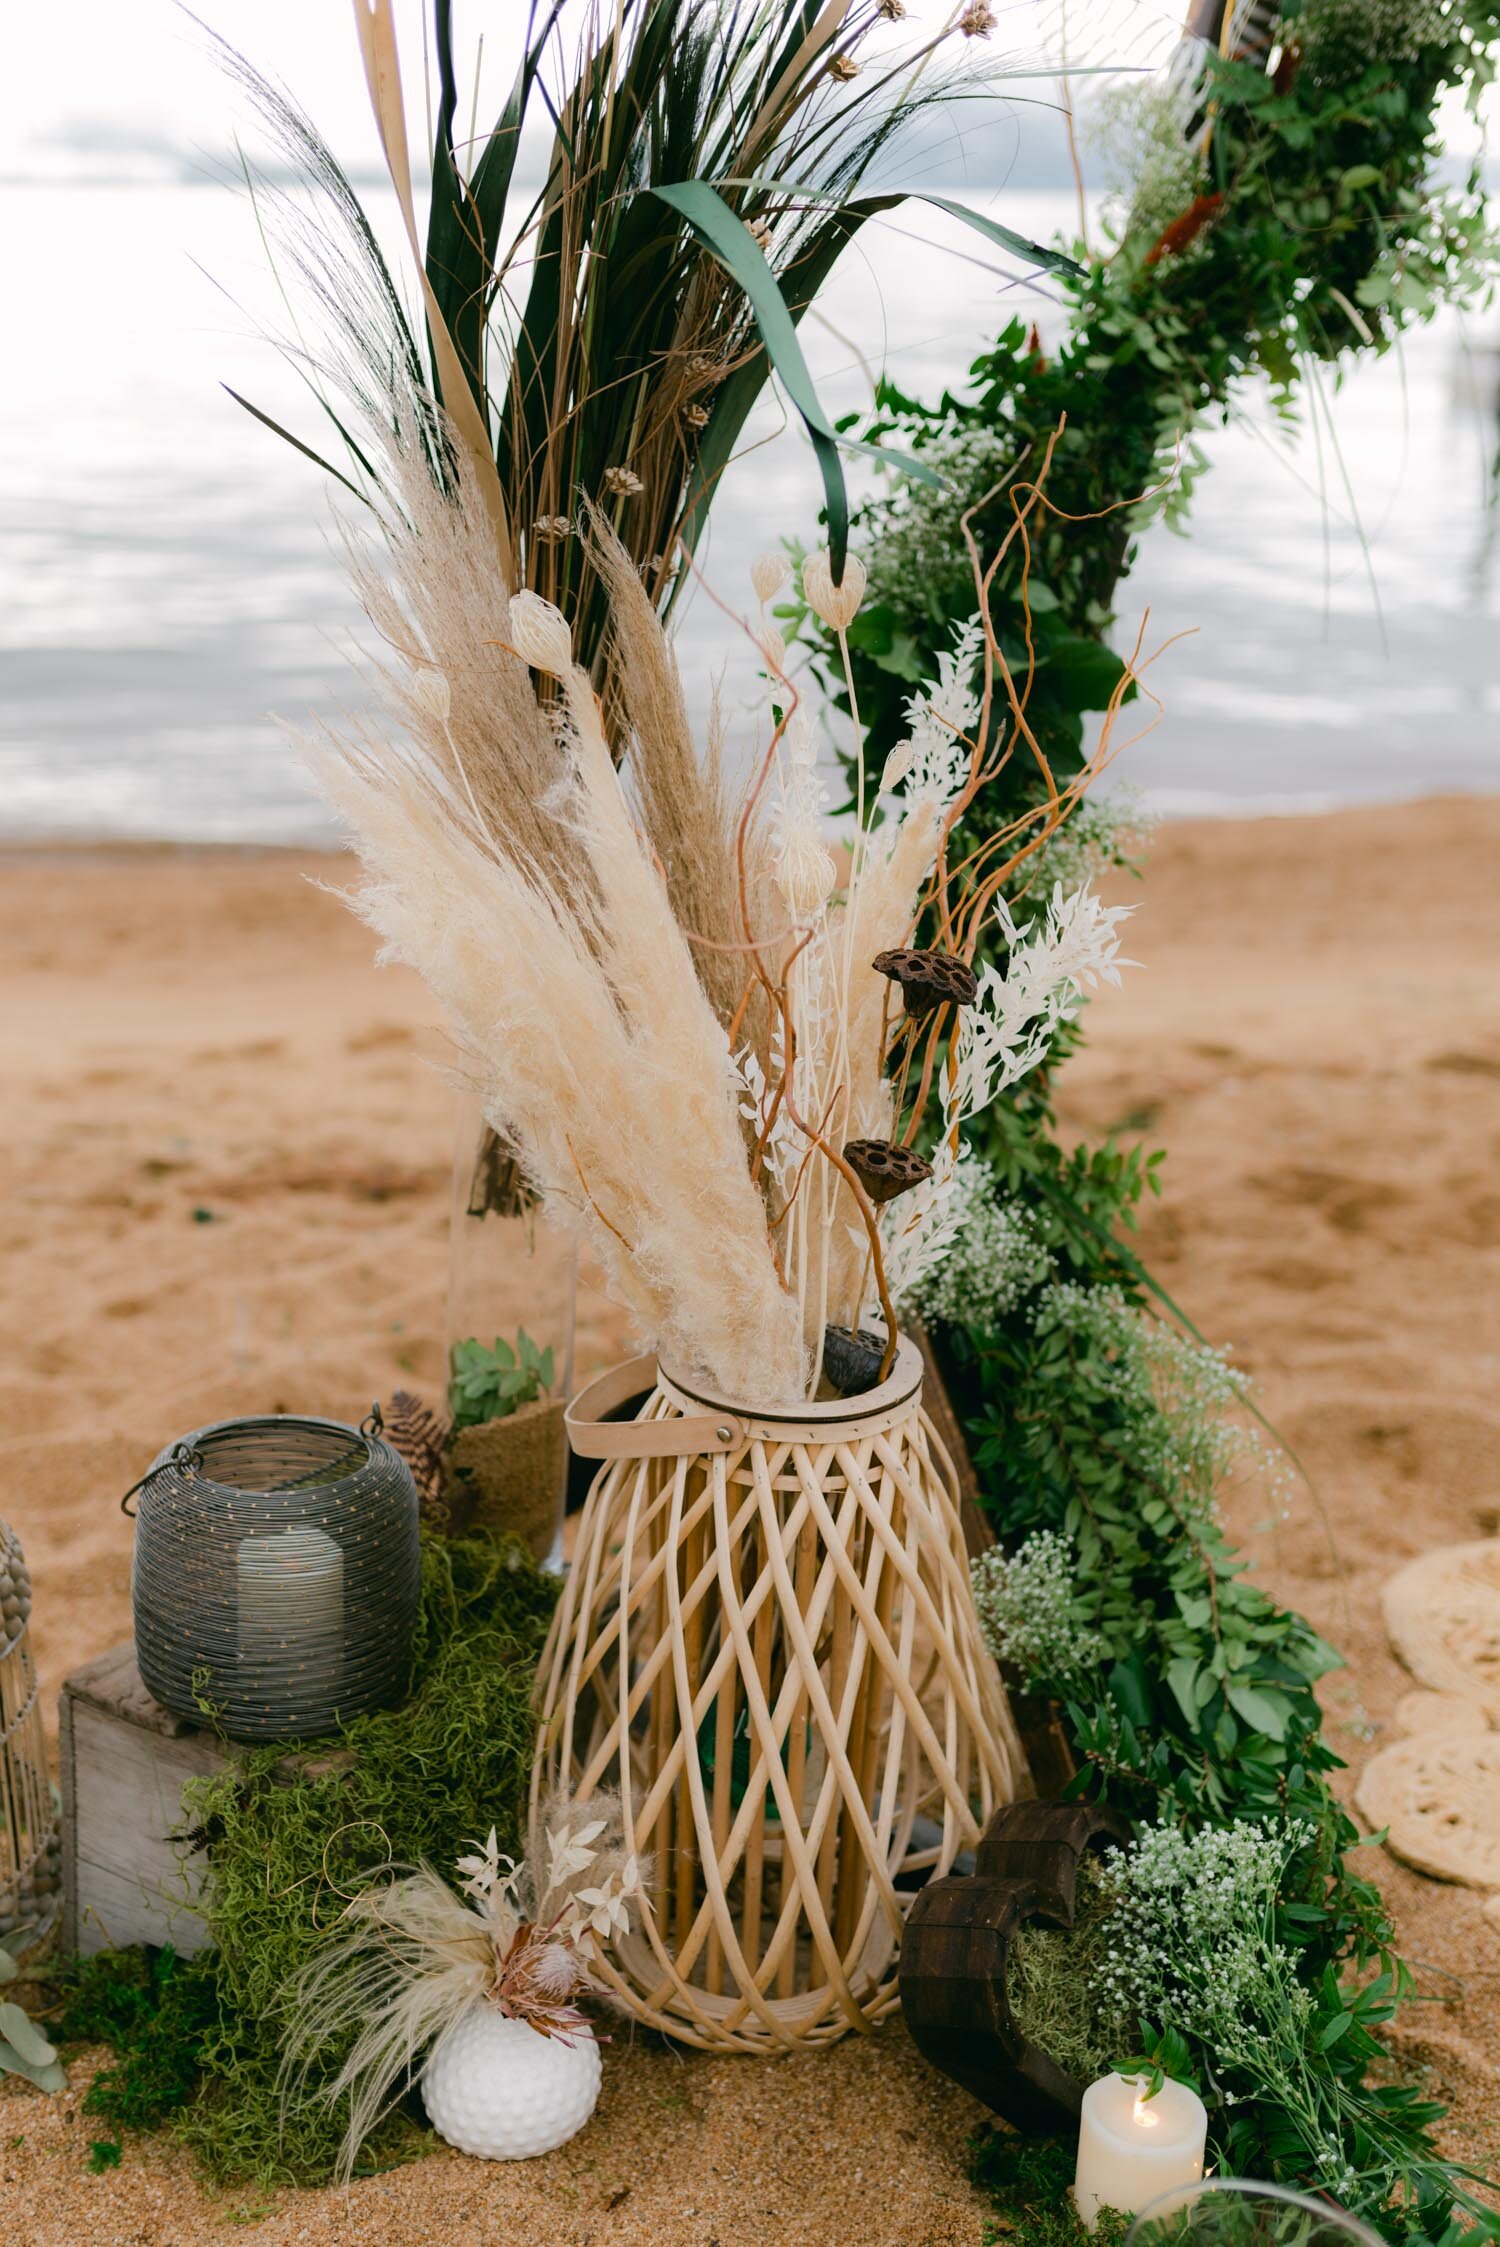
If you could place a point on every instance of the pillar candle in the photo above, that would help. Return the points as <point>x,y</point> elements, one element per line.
<point>1132,2149</point>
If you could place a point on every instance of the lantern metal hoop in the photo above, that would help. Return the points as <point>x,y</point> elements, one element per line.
<point>277,1575</point>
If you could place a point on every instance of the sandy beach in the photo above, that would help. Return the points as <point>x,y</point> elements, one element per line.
<point>226,1154</point>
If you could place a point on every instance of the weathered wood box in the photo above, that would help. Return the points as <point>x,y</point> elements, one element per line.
<point>128,1876</point>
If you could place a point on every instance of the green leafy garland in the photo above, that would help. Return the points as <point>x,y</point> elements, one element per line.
<point>1312,229</point>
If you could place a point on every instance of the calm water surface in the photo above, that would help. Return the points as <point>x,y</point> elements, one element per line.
<point>170,588</point>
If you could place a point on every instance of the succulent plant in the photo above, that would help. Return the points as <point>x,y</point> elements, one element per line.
<point>23,2048</point>
<point>489,1384</point>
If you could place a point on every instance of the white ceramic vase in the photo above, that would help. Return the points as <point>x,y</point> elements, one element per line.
<point>497,2088</point>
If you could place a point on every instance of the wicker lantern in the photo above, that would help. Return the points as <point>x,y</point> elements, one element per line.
<point>30,1857</point>
<point>767,1647</point>
<point>277,1575</point>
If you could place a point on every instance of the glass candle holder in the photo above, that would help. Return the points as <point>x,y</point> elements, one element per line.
<point>1238,2212</point>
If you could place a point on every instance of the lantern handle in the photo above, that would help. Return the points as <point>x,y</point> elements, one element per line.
<point>184,1456</point>
<point>373,1423</point>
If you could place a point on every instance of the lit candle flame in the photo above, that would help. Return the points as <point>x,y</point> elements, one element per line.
<point>1144,2115</point>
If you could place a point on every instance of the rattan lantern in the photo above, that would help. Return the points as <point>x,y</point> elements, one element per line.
<point>766,1645</point>
<point>30,1856</point>
<point>277,1575</point>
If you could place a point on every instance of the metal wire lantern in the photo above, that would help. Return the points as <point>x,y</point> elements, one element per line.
<point>30,1853</point>
<point>277,1575</point>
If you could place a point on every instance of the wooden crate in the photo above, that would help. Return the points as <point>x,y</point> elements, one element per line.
<point>127,1875</point>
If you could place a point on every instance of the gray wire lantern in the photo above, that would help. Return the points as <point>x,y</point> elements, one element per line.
<point>30,1855</point>
<point>277,1575</point>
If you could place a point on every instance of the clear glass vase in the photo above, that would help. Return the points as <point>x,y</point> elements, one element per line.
<point>510,1272</point>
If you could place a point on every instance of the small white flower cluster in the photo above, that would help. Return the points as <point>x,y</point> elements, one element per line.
<point>1339,39</point>
<point>1180,1401</point>
<point>1026,1602</point>
<point>983,1255</point>
<point>1102,833</point>
<point>912,541</point>
<point>1193,1945</point>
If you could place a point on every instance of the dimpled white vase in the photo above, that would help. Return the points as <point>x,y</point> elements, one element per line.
<point>497,2088</point>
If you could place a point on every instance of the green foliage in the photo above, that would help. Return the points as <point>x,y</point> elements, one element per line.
<point>1315,228</point>
<point>1029,2182</point>
<point>290,1839</point>
<point>104,2154</point>
<point>490,1384</point>
<point>158,2012</point>
<point>24,2050</point>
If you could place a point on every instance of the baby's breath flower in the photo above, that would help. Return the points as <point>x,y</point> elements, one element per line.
<point>1027,1601</point>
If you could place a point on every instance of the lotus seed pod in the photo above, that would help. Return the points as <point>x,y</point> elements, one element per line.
<point>768,574</point>
<point>885,1170</point>
<point>539,634</point>
<point>928,979</point>
<point>837,605</point>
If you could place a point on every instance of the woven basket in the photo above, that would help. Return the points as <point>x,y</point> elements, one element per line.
<point>766,1644</point>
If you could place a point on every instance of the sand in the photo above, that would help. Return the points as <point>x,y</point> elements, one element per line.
<point>226,1174</point>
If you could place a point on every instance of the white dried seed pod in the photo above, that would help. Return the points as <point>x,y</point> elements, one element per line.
<point>539,634</point>
<point>768,574</point>
<point>805,874</point>
<point>773,647</point>
<point>897,765</point>
<point>837,605</point>
<point>431,689</point>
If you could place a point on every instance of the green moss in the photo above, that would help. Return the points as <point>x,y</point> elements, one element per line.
<point>157,2011</point>
<point>290,1838</point>
<point>288,1848</point>
<point>1029,2182</point>
<point>1051,1978</point>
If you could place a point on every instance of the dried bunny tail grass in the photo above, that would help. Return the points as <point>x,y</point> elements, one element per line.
<point>687,817</point>
<point>593,1049</point>
<point>408,1958</point>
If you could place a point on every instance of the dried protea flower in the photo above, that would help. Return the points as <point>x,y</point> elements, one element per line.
<point>622,483</point>
<point>843,67</point>
<point>851,1361</point>
<point>760,232</point>
<point>552,528</point>
<point>837,605</point>
<point>978,21</point>
<point>892,10</point>
<point>696,417</point>
<point>884,1169</point>
<point>768,574</point>
<point>928,979</point>
<point>539,634</point>
<point>430,687</point>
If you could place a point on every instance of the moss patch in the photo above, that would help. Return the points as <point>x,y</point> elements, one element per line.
<point>1053,1978</point>
<point>289,1842</point>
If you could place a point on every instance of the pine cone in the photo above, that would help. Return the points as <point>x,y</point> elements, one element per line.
<point>416,1433</point>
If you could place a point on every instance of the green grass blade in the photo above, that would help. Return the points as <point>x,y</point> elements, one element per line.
<point>297,445</point>
<point>736,248</point>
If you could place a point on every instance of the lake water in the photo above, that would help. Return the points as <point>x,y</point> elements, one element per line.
<point>169,587</point>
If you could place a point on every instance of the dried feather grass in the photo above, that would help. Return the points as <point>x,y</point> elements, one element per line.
<point>590,1041</point>
<point>685,807</point>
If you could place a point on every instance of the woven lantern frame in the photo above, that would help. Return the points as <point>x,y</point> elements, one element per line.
<point>30,1858</point>
<point>767,1647</point>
